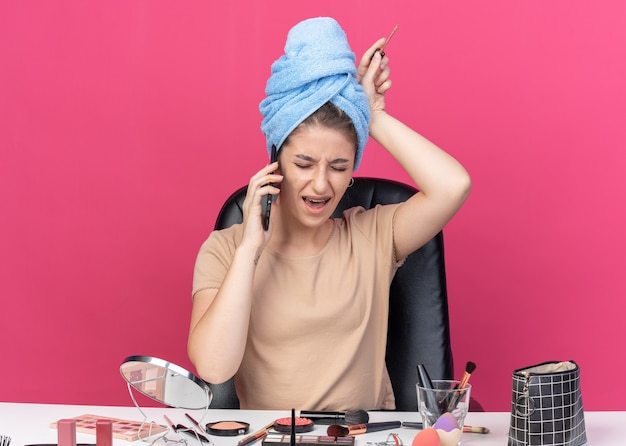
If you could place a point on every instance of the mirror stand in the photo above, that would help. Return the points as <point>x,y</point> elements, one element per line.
<point>163,436</point>
<point>167,384</point>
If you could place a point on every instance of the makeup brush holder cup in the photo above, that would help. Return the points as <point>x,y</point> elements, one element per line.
<point>444,406</point>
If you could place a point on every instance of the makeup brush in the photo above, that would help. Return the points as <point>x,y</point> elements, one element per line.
<point>349,417</point>
<point>170,422</point>
<point>468,429</point>
<point>195,423</point>
<point>181,429</point>
<point>261,433</point>
<point>382,49</point>
<point>336,430</point>
<point>469,369</point>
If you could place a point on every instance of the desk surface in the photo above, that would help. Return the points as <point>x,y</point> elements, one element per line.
<point>29,423</point>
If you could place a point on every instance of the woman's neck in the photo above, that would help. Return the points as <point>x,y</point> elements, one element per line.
<point>296,240</point>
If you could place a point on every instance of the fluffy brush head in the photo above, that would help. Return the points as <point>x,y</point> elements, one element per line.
<point>356,417</point>
<point>336,430</point>
<point>349,417</point>
<point>470,367</point>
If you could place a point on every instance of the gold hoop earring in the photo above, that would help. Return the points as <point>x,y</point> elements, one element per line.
<point>351,183</point>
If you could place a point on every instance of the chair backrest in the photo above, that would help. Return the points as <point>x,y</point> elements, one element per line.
<point>419,331</point>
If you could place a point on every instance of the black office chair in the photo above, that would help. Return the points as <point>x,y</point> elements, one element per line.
<point>419,331</point>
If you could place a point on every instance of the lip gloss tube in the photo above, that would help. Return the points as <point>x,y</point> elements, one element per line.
<point>66,432</point>
<point>104,433</point>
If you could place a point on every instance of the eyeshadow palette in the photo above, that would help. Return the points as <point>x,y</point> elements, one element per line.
<point>308,440</point>
<point>122,429</point>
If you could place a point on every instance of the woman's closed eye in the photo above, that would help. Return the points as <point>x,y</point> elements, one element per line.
<point>335,168</point>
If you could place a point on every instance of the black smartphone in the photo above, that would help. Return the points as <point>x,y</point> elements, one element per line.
<point>269,197</point>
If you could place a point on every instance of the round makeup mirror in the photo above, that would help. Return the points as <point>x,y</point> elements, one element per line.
<point>166,382</point>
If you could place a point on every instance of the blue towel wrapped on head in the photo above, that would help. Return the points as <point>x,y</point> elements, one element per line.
<point>318,66</point>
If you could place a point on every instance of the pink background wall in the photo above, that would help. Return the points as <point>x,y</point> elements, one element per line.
<point>125,124</point>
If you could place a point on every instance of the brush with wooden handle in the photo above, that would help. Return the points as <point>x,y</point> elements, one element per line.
<point>336,430</point>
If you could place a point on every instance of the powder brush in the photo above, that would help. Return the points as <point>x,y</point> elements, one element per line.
<point>349,417</point>
<point>469,369</point>
<point>336,430</point>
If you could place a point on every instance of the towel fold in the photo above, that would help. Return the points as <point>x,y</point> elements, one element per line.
<point>318,66</point>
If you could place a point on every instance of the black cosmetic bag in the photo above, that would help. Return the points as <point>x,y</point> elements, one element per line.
<point>547,406</point>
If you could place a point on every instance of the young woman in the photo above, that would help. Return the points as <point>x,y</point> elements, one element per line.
<point>298,313</point>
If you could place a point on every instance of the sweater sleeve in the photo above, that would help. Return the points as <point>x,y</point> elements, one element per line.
<point>214,258</point>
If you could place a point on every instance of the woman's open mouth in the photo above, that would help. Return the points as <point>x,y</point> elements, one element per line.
<point>316,203</point>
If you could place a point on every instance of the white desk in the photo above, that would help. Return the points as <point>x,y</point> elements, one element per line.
<point>29,423</point>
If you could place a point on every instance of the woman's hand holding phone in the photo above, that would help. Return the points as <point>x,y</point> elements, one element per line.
<point>268,198</point>
<point>261,185</point>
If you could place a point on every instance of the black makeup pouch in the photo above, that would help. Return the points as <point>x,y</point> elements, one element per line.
<point>547,406</point>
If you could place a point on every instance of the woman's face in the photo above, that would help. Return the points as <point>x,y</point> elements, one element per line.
<point>317,167</point>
